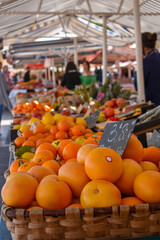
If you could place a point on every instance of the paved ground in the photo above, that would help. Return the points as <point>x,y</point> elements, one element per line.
<point>4,161</point>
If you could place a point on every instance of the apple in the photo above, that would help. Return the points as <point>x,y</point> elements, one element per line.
<point>16,121</point>
<point>84,110</point>
<point>119,101</point>
<point>114,100</point>
<point>109,112</point>
<point>65,112</point>
<point>36,114</point>
<point>109,104</point>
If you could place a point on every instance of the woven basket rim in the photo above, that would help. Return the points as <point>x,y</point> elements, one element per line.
<point>11,213</point>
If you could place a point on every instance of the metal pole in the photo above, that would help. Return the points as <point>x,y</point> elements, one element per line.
<point>75,52</point>
<point>139,57</point>
<point>104,51</point>
<point>65,57</point>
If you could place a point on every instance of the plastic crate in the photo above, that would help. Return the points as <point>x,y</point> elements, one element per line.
<point>86,80</point>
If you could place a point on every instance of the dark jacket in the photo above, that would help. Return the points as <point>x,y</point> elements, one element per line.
<point>27,77</point>
<point>151,65</point>
<point>71,79</point>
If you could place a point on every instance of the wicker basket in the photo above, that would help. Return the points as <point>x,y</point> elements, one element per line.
<point>89,223</point>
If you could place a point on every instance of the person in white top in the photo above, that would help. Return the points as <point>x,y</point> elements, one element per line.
<point>86,67</point>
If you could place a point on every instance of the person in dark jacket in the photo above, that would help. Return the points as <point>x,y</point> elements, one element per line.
<point>151,66</point>
<point>27,75</point>
<point>71,77</point>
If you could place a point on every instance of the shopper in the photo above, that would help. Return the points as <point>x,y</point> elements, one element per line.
<point>8,79</point>
<point>4,100</point>
<point>71,77</point>
<point>151,66</point>
<point>86,67</point>
<point>27,75</point>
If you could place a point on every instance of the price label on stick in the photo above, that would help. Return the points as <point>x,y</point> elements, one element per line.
<point>116,135</point>
<point>155,139</point>
<point>91,120</point>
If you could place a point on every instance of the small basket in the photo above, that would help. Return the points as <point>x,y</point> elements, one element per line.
<point>86,80</point>
<point>83,224</point>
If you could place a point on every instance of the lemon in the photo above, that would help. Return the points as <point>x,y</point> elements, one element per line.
<point>70,118</point>
<point>81,121</point>
<point>57,117</point>
<point>33,119</point>
<point>27,155</point>
<point>80,140</point>
<point>101,117</point>
<point>24,123</point>
<point>55,143</point>
<point>24,127</point>
<point>48,118</point>
<point>48,126</point>
<point>16,127</point>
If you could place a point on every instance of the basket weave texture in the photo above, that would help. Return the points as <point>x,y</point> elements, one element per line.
<point>76,224</point>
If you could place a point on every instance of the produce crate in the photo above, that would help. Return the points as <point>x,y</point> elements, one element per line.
<point>84,224</point>
<point>86,80</point>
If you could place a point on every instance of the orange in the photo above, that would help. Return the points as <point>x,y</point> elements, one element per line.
<point>103,163</point>
<point>51,176</point>
<point>33,139</point>
<point>61,146</point>
<point>35,207</point>
<point>75,205</point>
<point>131,201</point>
<point>146,186</point>
<point>39,135</point>
<point>78,130</point>
<point>52,164</point>
<point>70,151</point>
<point>134,149</point>
<point>95,137</point>
<point>149,166</point>
<point>53,194</point>
<point>74,175</point>
<point>16,164</point>
<point>28,143</point>
<point>39,129</point>
<point>91,141</point>
<point>42,156</point>
<point>40,141</point>
<point>151,154</point>
<point>71,160</point>
<point>19,141</point>
<point>100,193</point>
<point>47,146</point>
<point>61,135</point>
<point>40,172</point>
<point>53,130</point>
<point>130,170</point>
<point>63,125</point>
<point>28,133</point>
<point>49,138</point>
<point>83,152</point>
<point>33,204</point>
<point>25,167</point>
<point>19,190</point>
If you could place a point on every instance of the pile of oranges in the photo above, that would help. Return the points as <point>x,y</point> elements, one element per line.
<point>31,107</point>
<point>86,174</point>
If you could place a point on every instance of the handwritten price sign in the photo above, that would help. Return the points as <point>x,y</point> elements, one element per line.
<point>116,135</point>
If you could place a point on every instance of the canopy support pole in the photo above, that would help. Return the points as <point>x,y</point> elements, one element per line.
<point>65,57</point>
<point>139,57</point>
<point>75,52</point>
<point>104,51</point>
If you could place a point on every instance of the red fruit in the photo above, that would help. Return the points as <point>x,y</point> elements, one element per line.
<point>36,114</point>
<point>109,112</point>
<point>114,100</point>
<point>84,110</point>
<point>65,112</point>
<point>16,120</point>
<point>120,100</point>
<point>109,104</point>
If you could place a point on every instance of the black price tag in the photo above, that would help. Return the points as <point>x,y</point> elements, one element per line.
<point>91,120</point>
<point>116,135</point>
<point>155,139</point>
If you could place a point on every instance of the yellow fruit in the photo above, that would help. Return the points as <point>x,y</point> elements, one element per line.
<point>48,118</point>
<point>57,117</point>
<point>101,117</point>
<point>24,127</point>
<point>81,121</point>
<point>70,118</point>
<point>48,126</point>
<point>27,155</point>
<point>16,127</point>
<point>33,119</point>
<point>80,140</point>
<point>55,143</point>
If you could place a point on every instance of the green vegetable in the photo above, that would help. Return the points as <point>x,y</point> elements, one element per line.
<point>22,150</point>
